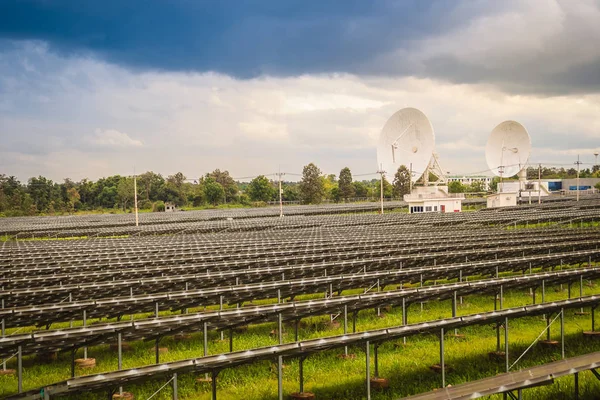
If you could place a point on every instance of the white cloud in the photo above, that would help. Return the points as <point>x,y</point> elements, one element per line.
<point>112,138</point>
<point>194,123</point>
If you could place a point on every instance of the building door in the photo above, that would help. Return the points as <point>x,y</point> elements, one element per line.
<point>443,208</point>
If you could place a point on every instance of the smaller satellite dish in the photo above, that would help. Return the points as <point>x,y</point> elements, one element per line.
<point>508,149</point>
<point>407,139</point>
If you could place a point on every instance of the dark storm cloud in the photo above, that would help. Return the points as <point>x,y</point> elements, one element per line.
<point>246,39</point>
<point>236,37</point>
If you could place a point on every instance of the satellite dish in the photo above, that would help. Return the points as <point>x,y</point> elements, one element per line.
<point>406,139</point>
<point>508,149</point>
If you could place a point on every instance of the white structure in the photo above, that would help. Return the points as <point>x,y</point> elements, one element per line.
<point>433,199</point>
<point>407,139</point>
<point>504,199</point>
<point>529,189</point>
<point>468,180</point>
<point>170,207</point>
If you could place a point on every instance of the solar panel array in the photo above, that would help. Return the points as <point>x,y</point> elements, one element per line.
<point>215,261</point>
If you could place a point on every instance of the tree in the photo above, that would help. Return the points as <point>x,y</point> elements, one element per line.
<point>125,195</point>
<point>360,189</point>
<point>456,187</point>
<point>597,185</point>
<point>330,186</point>
<point>494,184</point>
<point>73,196</point>
<point>477,187</point>
<point>261,189</point>
<point>387,188</point>
<point>41,191</point>
<point>401,182</point>
<point>213,191</point>
<point>226,181</point>
<point>291,192</point>
<point>312,188</point>
<point>345,187</point>
<point>150,185</point>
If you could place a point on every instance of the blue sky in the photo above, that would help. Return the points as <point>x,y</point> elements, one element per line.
<point>89,89</point>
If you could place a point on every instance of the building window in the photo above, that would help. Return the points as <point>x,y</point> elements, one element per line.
<point>434,208</point>
<point>428,208</point>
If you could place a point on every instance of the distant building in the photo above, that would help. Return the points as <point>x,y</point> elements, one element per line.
<point>586,185</point>
<point>468,180</point>
<point>433,199</point>
<point>170,207</point>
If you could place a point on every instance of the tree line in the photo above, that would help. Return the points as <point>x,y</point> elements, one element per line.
<point>41,195</point>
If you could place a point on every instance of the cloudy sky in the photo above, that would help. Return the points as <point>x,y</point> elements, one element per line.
<point>95,88</point>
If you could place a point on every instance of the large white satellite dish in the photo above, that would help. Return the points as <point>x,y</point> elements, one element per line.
<point>508,149</point>
<point>406,139</point>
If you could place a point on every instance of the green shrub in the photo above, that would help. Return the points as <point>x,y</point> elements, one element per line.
<point>145,205</point>
<point>158,206</point>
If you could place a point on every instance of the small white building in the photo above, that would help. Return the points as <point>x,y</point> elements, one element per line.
<point>433,199</point>
<point>170,207</point>
<point>504,199</point>
<point>531,189</point>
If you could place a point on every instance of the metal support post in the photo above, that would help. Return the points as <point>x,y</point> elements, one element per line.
<point>354,314</point>
<point>214,384</point>
<point>296,324</point>
<point>576,385</point>
<point>378,290</point>
<point>280,328</point>
<point>175,386</point>
<point>506,343</point>
<point>404,316</point>
<point>120,356</point>
<point>280,377</point>
<point>368,369</point>
<point>221,309</point>
<point>421,286</point>
<point>20,369</point>
<point>581,289</point>
<point>543,291</point>
<point>562,333</point>
<point>460,280</point>
<point>205,337</point>
<point>454,310</point>
<point>231,340</point>
<point>345,327</point>
<point>442,360</point>
<point>85,355</point>
<point>301,373</point>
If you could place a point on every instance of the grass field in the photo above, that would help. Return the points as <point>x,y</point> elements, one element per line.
<point>328,376</point>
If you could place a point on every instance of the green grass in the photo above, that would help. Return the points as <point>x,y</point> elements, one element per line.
<point>328,376</point>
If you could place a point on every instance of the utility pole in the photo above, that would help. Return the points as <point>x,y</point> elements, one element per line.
<point>382,173</point>
<point>280,174</point>
<point>135,197</point>
<point>540,184</point>
<point>578,163</point>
